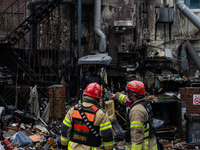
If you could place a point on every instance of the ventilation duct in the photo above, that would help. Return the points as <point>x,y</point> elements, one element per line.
<point>97,26</point>
<point>188,13</point>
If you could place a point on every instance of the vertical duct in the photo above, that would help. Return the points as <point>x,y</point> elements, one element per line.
<point>188,13</point>
<point>137,24</point>
<point>97,26</point>
<point>72,34</point>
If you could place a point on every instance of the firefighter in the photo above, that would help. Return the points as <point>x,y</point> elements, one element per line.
<point>87,124</point>
<point>140,134</point>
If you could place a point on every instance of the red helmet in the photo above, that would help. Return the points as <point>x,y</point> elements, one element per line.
<point>93,90</point>
<point>136,88</point>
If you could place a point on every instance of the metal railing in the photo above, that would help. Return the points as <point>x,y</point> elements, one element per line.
<point>40,60</point>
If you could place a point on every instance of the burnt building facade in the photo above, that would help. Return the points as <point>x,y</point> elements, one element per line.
<point>41,40</point>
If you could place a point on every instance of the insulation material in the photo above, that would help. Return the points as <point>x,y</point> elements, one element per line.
<point>33,99</point>
<point>46,113</point>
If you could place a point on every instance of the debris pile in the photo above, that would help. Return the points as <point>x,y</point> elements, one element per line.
<point>33,128</point>
<point>21,130</point>
<point>6,76</point>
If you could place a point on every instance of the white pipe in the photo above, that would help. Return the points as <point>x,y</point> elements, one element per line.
<point>97,26</point>
<point>188,13</point>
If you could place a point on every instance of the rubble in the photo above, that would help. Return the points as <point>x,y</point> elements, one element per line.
<point>22,130</point>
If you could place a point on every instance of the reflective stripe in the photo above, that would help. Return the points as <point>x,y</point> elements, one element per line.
<point>94,108</point>
<point>77,115</point>
<point>67,122</point>
<point>69,145</point>
<point>135,147</point>
<point>127,148</point>
<point>105,126</point>
<point>64,138</point>
<point>138,83</point>
<point>146,127</point>
<point>108,143</point>
<point>136,124</point>
<point>132,84</point>
<point>155,147</point>
<point>146,144</point>
<point>121,97</point>
<point>146,134</point>
<point>81,127</point>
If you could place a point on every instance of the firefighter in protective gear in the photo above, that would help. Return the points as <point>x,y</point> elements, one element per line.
<point>140,135</point>
<point>86,125</point>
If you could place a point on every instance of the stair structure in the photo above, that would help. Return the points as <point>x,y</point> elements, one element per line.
<point>18,32</point>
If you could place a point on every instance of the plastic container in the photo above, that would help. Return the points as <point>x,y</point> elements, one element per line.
<point>1,146</point>
<point>22,139</point>
<point>157,123</point>
<point>109,108</point>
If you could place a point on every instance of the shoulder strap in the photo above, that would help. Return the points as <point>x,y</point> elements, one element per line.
<point>148,108</point>
<point>85,119</point>
<point>136,104</point>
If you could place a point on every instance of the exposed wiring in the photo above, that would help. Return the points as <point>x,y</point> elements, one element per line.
<point>182,24</point>
<point>177,40</point>
<point>155,47</point>
<point>111,6</point>
<point>179,14</point>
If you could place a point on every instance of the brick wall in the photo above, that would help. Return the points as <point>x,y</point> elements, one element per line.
<point>187,96</point>
<point>57,100</point>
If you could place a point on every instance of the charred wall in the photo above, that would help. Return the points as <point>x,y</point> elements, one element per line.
<point>57,34</point>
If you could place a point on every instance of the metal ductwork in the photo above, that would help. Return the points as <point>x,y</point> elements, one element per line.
<point>97,26</point>
<point>188,13</point>
<point>186,53</point>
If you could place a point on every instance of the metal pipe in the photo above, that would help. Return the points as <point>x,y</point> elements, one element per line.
<point>79,28</point>
<point>72,35</point>
<point>79,46</point>
<point>188,13</point>
<point>97,26</point>
<point>193,54</point>
<point>137,24</point>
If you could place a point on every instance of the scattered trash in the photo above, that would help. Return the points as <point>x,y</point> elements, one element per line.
<point>157,123</point>
<point>1,110</point>
<point>8,145</point>
<point>1,146</point>
<point>35,137</point>
<point>22,129</point>
<point>9,134</point>
<point>23,140</point>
